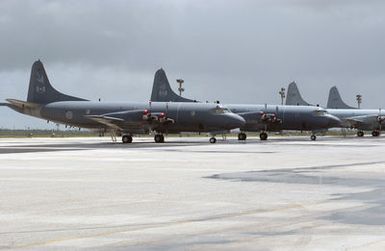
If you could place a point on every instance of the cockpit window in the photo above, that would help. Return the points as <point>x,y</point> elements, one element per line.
<point>220,109</point>
<point>320,112</point>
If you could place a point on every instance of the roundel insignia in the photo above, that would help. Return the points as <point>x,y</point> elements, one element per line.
<point>69,115</point>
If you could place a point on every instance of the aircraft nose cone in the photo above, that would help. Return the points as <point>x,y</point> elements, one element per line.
<point>235,121</point>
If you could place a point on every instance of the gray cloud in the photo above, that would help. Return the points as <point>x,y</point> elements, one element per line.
<point>235,51</point>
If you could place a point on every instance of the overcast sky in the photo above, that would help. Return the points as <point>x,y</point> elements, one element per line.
<point>234,51</point>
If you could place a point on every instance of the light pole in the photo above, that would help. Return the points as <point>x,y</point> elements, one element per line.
<point>359,100</point>
<point>282,93</point>
<point>180,89</point>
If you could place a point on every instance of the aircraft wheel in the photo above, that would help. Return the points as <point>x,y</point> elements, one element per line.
<point>242,136</point>
<point>360,134</point>
<point>213,140</point>
<point>263,136</point>
<point>313,137</point>
<point>375,133</point>
<point>159,138</point>
<point>126,139</point>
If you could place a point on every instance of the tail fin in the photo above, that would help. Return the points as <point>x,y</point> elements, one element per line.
<point>293,96</point>
<point>335,101</point>
<point>162,92</point>
<point>41,91</point>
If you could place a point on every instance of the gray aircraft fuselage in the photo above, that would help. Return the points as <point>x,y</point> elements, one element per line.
<point>361,119</point>
<point>307,118</point>
<point>369,116</point>
<point>188,117</point>
<point>44,101</point>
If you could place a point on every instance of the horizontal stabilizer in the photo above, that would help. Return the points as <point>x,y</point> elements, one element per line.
<point>21,104</point>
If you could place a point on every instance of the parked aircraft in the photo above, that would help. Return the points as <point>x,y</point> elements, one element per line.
<point>360,119</point>
<point>126,118</point>
<point>261,118</point>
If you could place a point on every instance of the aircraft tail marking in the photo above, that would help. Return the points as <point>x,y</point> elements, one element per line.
<point>162,92</point>
<point>40,89</point>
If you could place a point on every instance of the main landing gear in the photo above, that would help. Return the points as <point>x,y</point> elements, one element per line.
<point>126,139</point>
<point>263,136</point>
<point>360,134</point>
<point>213,140</point>
<point>313,137</point>
<point>376,133</point>
<point>159,138</point>
<point>242,136</point>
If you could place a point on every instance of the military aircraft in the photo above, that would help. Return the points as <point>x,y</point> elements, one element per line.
<point>259,118</point>
<point>126,118</point>
<point>360,119</point>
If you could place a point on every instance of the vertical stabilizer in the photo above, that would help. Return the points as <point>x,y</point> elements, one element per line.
<point>335,101</point>
<point>162,92</point>
<point>293,96</point>
<point>40,89</point>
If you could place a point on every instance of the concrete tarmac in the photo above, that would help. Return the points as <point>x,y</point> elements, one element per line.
<point>287,193</point>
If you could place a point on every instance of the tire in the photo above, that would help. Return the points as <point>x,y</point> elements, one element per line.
<point>213,140</point>
<point>159,138</point>
<point>375,133</point>
<point>313,137</point>
<point>126,139</point>
<point>263,136</point>
<point>360,134</point>
<point>242,136</point>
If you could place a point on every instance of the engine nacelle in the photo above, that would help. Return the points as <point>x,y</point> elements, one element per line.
<point>380,119</point>
<point>270,118</point>
<point>160,117</point>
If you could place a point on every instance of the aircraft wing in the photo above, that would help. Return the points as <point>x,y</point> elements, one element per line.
<point>251,116</point>
<point>258,120</point>
<point>364,120</point>
<point>259,117</point>
<point>110,122</point>
<point>132,120</point>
